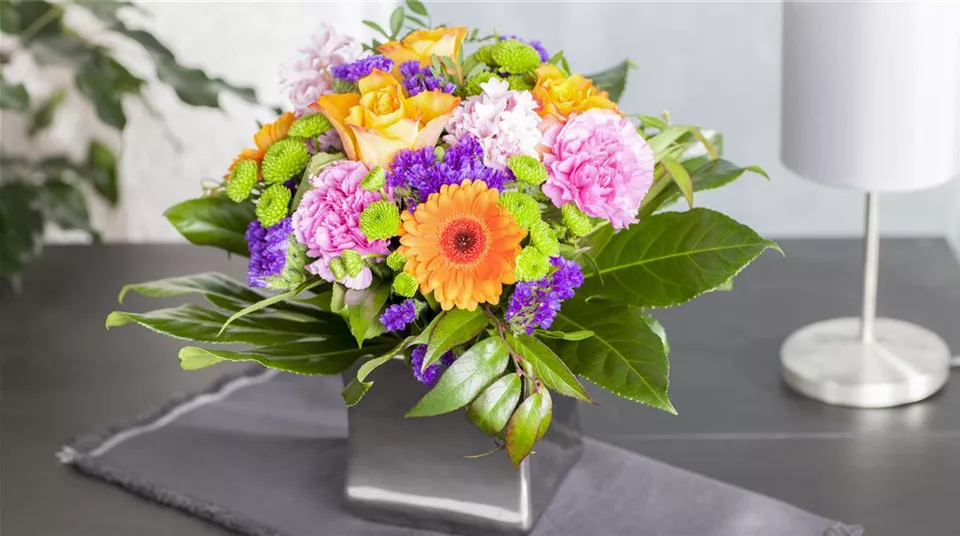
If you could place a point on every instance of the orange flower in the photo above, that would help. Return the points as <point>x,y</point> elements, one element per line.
<point>264,138</point>
<point>422,44</point>
<point>559,95</point>
<point>461,245</point>
<point>381,120</point>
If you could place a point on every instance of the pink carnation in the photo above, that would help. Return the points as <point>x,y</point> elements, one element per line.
<point>309,77</point>
<point>598,161</point>
<point>328,220</point>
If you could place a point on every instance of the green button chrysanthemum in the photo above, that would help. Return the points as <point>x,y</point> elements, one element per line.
<point>544,239</point>
<point>374,180</point>
<point>527,169</point>
<point>336,266</point>
<point>352,262</point>
<point>524,208</point>
<point>242,180</point>
<point>520,82</point>
<point>575,220</point>
<point>531,264</point>
<point>310,126</point>
<point>484,54</point>
<point>515,57</point>
<point>405,285</point>
<point>473,84</point>
<point>284,159</point>
<point>396,261</point>
<point>273,204</point>
<point>380,220</point>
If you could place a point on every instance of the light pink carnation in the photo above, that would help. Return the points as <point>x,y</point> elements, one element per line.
<point>328,220</point>
<point>309,77</point>
<point>503,121</point>
<point>598,161</point>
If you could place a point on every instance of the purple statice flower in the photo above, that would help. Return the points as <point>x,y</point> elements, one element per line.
<point>398,316</point>
<point>428,376</point>
<point>417,80</point>
<point>268,250</point>
<point>535,304</point>
<point>356,70</point>
<point>544,55</point>
<point>420,173</point>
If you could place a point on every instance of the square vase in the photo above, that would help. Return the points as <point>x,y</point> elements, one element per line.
<point>412,471</point>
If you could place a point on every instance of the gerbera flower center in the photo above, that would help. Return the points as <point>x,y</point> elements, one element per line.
<point>464,241</point>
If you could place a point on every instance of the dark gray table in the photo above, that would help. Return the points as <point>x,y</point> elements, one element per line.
<point>895,471</point>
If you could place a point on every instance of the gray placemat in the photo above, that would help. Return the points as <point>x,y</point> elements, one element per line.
<point>263,454</point>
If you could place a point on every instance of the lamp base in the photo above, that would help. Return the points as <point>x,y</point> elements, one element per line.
<point>829,362</point>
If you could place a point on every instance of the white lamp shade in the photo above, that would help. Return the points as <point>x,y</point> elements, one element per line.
<point>871,93</point>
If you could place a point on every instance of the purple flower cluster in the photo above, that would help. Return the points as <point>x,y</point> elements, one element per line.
<point>268,250</point>
<point>535,304</point>
<point>544,55</point>
<point>398,316</point>
<point>432,373</point>
<point>422,174</point>
<point>354,71</point>
<point>417,80</point>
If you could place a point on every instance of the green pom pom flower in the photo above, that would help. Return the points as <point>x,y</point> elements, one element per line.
<point>544,239</point>
<point>242,180</point>
<point>484,54</point>
<point>373,181</point>
<point>473,84</point>
<point>273,204</point>
<point>527,169</point>
<point>531,264</point>
<point>515,57</point>
<point>380,220</point>
<point>575,220</point>
<point>524,208</point>
<point>336,266</point>
<point>352,262</point>
<point>284,159</point>
<point>405,285</point>
<point>310,126</point>
<point>396,261</point>
<point>519,82</point>
<point>344,86</point>
<point>293,274</point>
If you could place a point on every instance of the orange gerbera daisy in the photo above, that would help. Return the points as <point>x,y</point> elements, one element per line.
<point>461,245</point>
<point>264,138</point>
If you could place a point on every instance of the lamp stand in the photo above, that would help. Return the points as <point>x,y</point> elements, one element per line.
<point>866,362</point>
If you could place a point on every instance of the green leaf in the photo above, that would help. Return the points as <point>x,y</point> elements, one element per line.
<point>106,96</point>
<point>670,258</point>
<point>43,116</point>
<point>376,27</point>
<point>681,179</point>
<point>424,336</point>
<point>150,43</point>
<point>193,323</point>
<point>66,205</point>
<point>662,141</point>
<point>327,355</point>
<point>267,302</point>
<point>101,171</point>
<point>417,7</point>
<point>493,407</point>
<point>565,335</point>
<point>13,97</point>
<point>317,163</point>
<point>626,355</point>
<point>708,176</point>
<point>470,374</point>
<point>195,87</point>
<point>457,326</point>
<point>210,283</point>
<point>354,391</point>
<point>396,22</point>
<point>649,121</point>
<point>362,310</point>
<point>21,227</point>
<point>213,221</point>
<point>9,17</point>
<point>39,19</point>
<point>613,80</point>
<point>528,423</point>
<point>547,366</point>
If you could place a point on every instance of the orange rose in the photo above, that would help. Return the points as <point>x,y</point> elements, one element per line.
<point>422,44</point>
<point>381,120</point>
<point>264,138</point>
<point>559,95</point>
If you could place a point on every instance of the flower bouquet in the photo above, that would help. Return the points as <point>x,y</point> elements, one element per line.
<point>469,205</point>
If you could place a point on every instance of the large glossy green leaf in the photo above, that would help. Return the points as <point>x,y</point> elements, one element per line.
<point>547,366</point>
<point>362,310</point>
<point>193,323</point>
<point>331,355</point>
<point>203,283</point>
<point>668,259</point>
<point>455,327</point>
<point>528,424</point>
<point>708,176</point>
<point>471,373</point>
<point>613,80</point>
<point>271,301</point>
<point>213,221</point>
<point>357,387</point>
<point>626,354</point>
<point>491,410</point>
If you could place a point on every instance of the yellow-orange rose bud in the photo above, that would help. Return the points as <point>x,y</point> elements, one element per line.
<point>380,121</point>
<point>559,95</point>
<point>420,45</point>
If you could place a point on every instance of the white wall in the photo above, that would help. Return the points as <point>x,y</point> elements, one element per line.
<point>716,64</point>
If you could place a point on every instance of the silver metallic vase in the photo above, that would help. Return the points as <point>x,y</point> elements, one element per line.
<point>412,471</point>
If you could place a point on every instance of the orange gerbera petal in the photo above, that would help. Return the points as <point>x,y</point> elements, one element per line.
<point>461,245</point>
